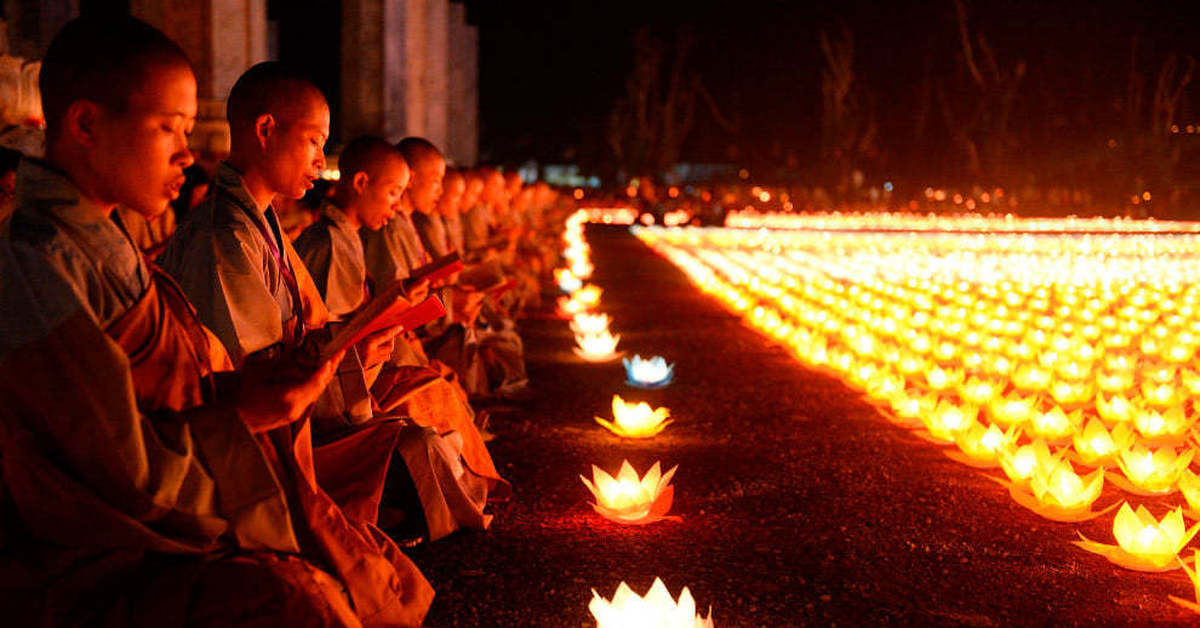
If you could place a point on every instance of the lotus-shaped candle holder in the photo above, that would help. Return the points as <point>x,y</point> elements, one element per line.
<point>1150,473</point>
<point>636,420</point>
<point>1190,381</point>
<point>588,295</point>
<point>566,280</point>
<point>651,373</point>
<point>980,446</point>
<point>909,408</point>
<point>1057,493</point>
<point>657,609</point>
<point>884,386</point>
<point>1143,542</point>
<point>1169,427</point>
<point>1096,446</point>
<point>1118,409</point>
<point>600,347</point>
<point>1112,383</point>
<point>1054,426</point>
<point>1019,463</point>
<point>948,419</point>
<point>629,499</point>
<point>1071,393</point>
<point>585,323</point>
<point>1009,411</point>
<point>568,307</point>
<point>1032,378</point>
<point>940,379</point>
<point>978,392</point>
<point>1159,395</point>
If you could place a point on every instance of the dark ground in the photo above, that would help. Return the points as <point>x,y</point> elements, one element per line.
<point>800,504</point>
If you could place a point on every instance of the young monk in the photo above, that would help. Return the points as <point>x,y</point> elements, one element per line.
<point>449,206</point>
<point>369,193</point>
<point>140,488</point>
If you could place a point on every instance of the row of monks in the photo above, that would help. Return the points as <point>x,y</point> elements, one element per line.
<point>173,449</point>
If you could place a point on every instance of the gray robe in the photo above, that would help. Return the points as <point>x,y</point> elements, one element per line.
<point>333,253</point>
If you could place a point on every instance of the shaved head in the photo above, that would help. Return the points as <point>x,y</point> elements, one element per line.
<point>367,154</point>
<point>428,169</point>
<point>270,88</point>
<point>419,151</point>
<point>104,60</point>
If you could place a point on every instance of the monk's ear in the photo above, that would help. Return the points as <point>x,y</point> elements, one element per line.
<point>359,182</point>
<point>265,127</point>
<point>80,121</point>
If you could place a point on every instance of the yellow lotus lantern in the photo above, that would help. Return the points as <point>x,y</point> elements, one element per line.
<point>909,408</point>
<point>1191,382</point>
<point>1019,463</point>
<point>588,295</point>
<point>1032,378</point>
<point>1054,425</point>
<point>584,323</point>
<point>1095,445</point>
<point>948,419</point>
<point>1008,411</point>
<point>629,499</point>
<point>1072,394</point>
<point>657,609</point>
<point>1161,395</point>
<point>1057,493</point>
<point>599,347</point>
<point>1171,426</point>
<point>1143,542</point>
<point>978,392</point>
<point>1114,410</point>
<point>635,420</point>
<point>566,280</point>
<point>1114,382</point>
<point>1189,485</point>
<point>980,446</point>
<point>941,379</point>
<point>1150,472</point>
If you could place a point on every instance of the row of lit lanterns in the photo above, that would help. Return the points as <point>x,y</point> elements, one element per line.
<point>1034,403</point>
<point>982,223</point>
<point>625,497</point>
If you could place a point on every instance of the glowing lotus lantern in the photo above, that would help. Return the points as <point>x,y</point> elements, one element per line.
<point>1114,382</point>
<point>980,447</point>
<point>584,323</point>
<point>1161,395</point>
<point>1115,410</point>
<point>909,409</point>
<point>884,386</point>
<point>1057,493</point>
<point>629,499</point>
<point>635,420</point>
<point>1191,382</point>
<point>651,373</point>
<point>1096,446</point>
<point>1033,378</point>
<point>588,295</point>
<point>656,610</point>
<point>1162,427</point>
<point>1019,463</point>
<point>582,268</point>
<point>1150,472</point>
<point>600,347</point>
<point>1054,425</point>
<point>948,419</point>
<point>566,280</point>
<point>1143,542</point>
<point>1189,485</point>
<point>1008,411</point>
<point>942,379</point>
<point>568,307</point>
<point>978,392</point>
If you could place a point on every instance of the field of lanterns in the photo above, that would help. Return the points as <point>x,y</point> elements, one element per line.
<point>1058,356</point>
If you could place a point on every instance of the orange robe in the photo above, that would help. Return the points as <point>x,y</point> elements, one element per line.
<point>129,500</point>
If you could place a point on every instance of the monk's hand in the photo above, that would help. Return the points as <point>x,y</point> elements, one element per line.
<point>376,348</point>
<point>418,291</point>
<point>277,392</point>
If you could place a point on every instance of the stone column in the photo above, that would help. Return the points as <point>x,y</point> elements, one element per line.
<point>435,79</point>
<point>462,143</point>
<point>222,38</point>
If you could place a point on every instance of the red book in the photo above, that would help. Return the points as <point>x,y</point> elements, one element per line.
<point>384,311</point>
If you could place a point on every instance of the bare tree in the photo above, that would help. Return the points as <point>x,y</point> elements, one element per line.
<point>649,124</point>
<point>848,126</point>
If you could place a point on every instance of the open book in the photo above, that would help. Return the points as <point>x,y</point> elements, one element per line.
<point>386,310</point>
<point>439,268</point>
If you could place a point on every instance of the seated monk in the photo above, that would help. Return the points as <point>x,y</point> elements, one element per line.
<point>374,176</point>
<point>454,190</point>
<point>141,487</point>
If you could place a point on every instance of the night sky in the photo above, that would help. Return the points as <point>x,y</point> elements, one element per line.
<point>551,70</point>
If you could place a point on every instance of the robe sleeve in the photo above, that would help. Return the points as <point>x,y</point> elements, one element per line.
<point>316,251</point>
<point>385,259</point>
<point>86,468</point>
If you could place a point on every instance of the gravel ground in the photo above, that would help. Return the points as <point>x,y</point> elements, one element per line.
<point>800,504</point>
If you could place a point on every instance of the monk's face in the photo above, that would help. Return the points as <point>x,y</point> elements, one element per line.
<point>379,200</point>
<point>294,152</point>
<point>426,184</point>
<point>139,154</point>
<point>452,194</point>
<point>471,196</point>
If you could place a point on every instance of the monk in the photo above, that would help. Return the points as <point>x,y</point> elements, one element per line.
<point>374,175</point>
<point>449,206</point>
<point>142,485</point>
